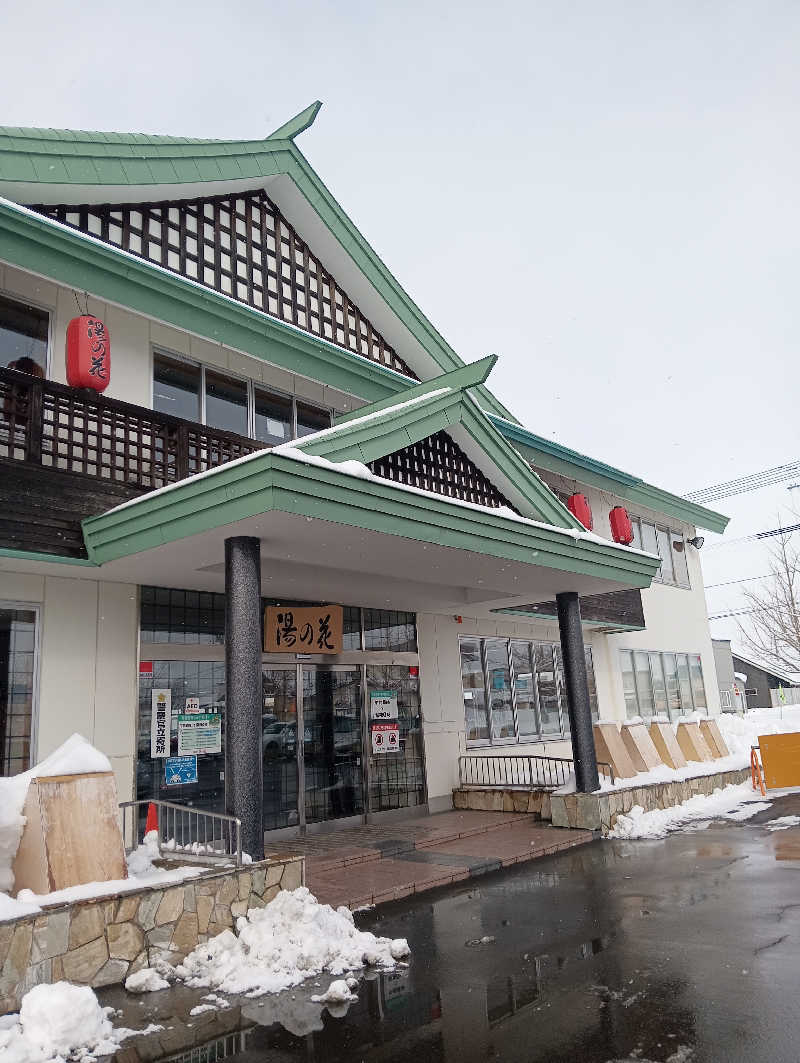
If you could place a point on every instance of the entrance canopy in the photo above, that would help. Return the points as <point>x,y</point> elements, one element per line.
<point>332,530</point>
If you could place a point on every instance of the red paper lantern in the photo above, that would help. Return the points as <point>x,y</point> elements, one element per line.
<point>579,507</point>
<point>88,353</point>
<point>621,527</point>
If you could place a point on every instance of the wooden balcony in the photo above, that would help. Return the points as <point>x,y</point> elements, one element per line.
<point>66,454</point>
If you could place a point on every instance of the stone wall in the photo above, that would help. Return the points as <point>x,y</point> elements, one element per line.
<point>496,799</point>
<point>101,941</point>
<point>599,811</point>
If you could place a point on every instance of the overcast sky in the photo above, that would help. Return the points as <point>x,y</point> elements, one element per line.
<point>604,194</point>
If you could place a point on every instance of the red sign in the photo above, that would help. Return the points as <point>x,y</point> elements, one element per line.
<point>385,738</point>
<point>88,353</point>
<point>145,667</point>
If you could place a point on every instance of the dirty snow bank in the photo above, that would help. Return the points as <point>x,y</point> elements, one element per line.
<point>57,1022</point>
<point>279,946</point>
<point>75,756</point>
<point>733,802</point>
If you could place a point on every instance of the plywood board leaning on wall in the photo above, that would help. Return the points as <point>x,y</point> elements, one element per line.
<point>710,731</point>
<point>780,755</point>
<point>72,833</point>
<point>640,746</point>
<point>692,742</point>
<point>611,750</point>
<point>667,744</point>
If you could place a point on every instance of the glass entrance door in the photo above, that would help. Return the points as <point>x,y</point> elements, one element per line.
<point>333,767</point>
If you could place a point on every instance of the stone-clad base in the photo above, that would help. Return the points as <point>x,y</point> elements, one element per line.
<point>599,811</point>
<point>101,941</point>
<point>496,799</point>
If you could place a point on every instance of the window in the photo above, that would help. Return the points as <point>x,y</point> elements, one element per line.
<point>231,404</point>
<point>24,332</point>
<point>669,545</point>
<point>17,685</point>
<point>514,690</point>
<point>662,683</point>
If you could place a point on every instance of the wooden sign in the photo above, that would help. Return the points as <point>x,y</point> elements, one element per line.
<point>303,629</point>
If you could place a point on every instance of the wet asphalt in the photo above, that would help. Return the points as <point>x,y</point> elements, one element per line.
<point>684,950</point>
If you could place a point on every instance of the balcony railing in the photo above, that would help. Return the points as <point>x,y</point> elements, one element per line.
<point>78,431</point>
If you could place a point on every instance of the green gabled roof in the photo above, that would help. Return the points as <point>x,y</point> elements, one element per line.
<point>52,157</point>
<point>556,458</point>
<point>443,403</point>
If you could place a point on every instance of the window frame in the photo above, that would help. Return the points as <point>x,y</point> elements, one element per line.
<point>36,609</point>
<point>662,654</point>
<point>672,534</point>
<point>158,351</point>
<point>539,737</point>
<point>15,297</point>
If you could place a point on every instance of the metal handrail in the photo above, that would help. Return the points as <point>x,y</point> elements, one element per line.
<point>190,832</point>
<point>519,772</point>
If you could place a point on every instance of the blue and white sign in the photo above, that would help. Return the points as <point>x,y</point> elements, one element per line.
<point>178,771</point>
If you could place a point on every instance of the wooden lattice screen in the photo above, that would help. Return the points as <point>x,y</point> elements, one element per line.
<point>240,245</point>
<point>439,464</point>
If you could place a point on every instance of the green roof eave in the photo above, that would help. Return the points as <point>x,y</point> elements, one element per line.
<point>269,481</point>
<point>39,244</point>
<point>53,157</point>
<point>425,409</point>
<point>564,461</point>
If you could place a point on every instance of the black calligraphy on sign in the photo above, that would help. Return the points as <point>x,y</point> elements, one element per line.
<point>98,346</point>
<point>316,629</point>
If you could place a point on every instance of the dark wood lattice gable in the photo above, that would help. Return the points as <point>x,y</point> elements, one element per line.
<point>438,464</point>
<point>242,246</point>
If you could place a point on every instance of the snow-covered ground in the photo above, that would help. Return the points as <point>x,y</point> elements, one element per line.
<point>732,802</point>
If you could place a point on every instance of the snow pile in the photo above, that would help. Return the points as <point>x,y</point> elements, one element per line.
<point>732,802</point>
<point>74,757</point>
<point>278,946</point>
<point>145,981</point>
<point>338,992</point>
<point>140,861</point>
<point>783,823</point>
<point>57,1022</point>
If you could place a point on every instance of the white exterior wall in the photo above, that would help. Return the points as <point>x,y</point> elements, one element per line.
<point>133,338</point>
<point>442,696</point>
<point>88,665</point>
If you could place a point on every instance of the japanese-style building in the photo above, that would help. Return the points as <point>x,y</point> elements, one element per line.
<point>294,513</point>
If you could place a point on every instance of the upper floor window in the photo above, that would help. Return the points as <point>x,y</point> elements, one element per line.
<point>233,404</point>
<point>24,332</point>
<point>670,547</point>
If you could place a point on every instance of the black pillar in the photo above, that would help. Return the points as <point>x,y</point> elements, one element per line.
<point>573,654</point>
<point>244,785</point>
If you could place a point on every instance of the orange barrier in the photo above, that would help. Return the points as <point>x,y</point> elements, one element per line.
<point>755,771</point>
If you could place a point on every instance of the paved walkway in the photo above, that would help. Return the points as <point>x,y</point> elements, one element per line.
<point>374,864</point>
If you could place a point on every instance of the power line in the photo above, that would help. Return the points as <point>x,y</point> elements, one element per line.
<point>743,484</point>
<point>757,535</point>
<point>729,582</point>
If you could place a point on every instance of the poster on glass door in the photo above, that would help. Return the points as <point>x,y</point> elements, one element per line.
<point>160,723</point>
<point>385,738</point>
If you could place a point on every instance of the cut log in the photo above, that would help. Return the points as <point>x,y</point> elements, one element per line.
<point>72,833</point>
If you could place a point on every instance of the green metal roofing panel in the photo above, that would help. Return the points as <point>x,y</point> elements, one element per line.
<point>556,458</point>
<point>269,480</point>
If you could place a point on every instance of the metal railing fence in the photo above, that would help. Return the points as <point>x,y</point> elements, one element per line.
<point>520,772</point>
<point>191,833</point>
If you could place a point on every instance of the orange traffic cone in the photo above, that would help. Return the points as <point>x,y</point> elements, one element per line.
<point>152,819</point>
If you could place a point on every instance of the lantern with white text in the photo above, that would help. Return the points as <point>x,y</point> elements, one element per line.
<point>88,353</point>
<point>621,528</point>
<point>579,507</point>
